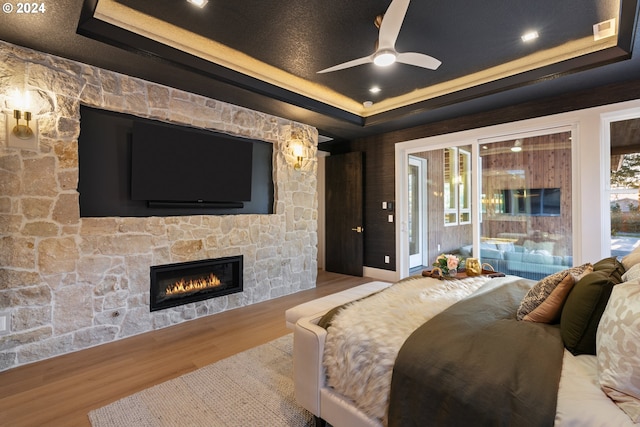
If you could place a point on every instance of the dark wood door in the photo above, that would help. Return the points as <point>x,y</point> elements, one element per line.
<point>344,219</point>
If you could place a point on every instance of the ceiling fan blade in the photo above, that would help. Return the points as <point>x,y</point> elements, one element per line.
<point>348,64</point>
<point>391,24</point>
<point>419,60</point>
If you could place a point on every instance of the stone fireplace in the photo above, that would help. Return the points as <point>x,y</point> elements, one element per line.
<point>176,284</point>
<point>69,282</point>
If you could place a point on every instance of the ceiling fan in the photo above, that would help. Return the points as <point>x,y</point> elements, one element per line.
<point>386,53</point>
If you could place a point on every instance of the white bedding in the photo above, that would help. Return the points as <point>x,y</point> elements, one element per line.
<point>581,402</point>
<point>368,336</point>
<point>362,343</point>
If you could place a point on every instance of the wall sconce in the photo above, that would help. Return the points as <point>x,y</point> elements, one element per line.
<point>298,152</point>
<point>22,128</point>
<point>22,131</point>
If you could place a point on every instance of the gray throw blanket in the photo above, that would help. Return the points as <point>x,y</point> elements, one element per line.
<point>474,364</point>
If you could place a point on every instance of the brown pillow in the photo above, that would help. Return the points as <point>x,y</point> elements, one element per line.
<point>550,309</point>
<point>541,290</point>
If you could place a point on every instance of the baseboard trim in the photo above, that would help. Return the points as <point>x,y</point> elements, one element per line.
<point>379,274</point>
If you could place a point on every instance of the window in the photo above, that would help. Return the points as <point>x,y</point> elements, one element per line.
<point>457,186</point>
<point>624,184</point>
<point>450,187</point>
<point>464,172</point>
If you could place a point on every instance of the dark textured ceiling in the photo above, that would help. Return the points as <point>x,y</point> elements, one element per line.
<point>265,54</point>
<point>302,38</point>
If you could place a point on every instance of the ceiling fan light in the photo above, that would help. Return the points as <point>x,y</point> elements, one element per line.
<point>384,58</point>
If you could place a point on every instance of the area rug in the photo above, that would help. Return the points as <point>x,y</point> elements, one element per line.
<point>252,388</point>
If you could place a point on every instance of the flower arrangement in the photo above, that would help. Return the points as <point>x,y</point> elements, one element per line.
<point>448,263</point>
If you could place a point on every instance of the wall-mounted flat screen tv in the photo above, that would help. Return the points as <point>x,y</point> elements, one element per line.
<point>105,169</point>
<point>182,165</point>
<point>532,201</point>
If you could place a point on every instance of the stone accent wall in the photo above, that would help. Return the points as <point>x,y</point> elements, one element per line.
<point>69,283</point>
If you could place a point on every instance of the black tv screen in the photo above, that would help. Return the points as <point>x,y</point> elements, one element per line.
<point>532,201</point>
<point>172,164</point>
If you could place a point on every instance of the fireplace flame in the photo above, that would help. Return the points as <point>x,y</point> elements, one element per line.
<point>183,286</point>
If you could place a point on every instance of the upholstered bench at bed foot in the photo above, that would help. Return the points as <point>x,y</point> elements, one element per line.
<point>326,303</point>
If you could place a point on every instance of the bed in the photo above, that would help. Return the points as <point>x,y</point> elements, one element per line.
<point>349,370</point>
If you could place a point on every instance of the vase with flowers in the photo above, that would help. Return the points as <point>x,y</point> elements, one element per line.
<point>448,264</point>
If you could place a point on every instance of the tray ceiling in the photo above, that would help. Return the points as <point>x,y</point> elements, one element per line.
<point>266,54</point>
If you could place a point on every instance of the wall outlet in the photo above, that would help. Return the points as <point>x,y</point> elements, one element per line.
<point>390,218</point>
<point>386,259</point>
<point>5,323</point>
<point>384,205</point>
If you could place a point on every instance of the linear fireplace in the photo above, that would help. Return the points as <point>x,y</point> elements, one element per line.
<point>187,282</point>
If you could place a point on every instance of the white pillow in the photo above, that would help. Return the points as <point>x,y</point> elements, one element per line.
<point>632,259</point>
<point>618,348</point>
<point>632,273</point>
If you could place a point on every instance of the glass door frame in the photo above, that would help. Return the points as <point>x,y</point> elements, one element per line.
<point>475,139</point>
<point>420,257</point>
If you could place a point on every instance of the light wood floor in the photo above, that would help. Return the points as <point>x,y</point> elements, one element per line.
<point>61,391</point>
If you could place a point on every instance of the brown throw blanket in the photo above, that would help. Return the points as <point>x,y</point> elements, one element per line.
<point>475,365</point>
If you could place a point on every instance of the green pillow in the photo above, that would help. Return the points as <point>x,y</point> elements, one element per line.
<point>586,303</point>
<point>611,265</point>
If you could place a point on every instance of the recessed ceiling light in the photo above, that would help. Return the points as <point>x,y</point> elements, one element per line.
<point>375,89</point>
<point>527,37</point>
<point>199,3</point>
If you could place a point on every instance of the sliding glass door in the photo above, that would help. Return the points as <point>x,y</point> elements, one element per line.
<point>522,187</point>
<point>526,199</point>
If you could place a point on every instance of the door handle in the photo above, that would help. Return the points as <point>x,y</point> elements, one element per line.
<point>358,229</point>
